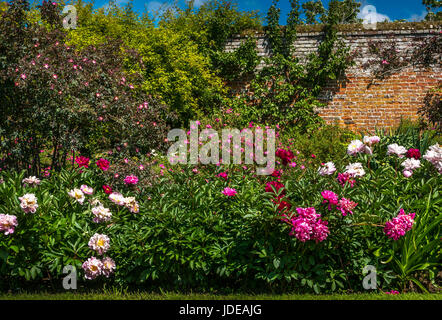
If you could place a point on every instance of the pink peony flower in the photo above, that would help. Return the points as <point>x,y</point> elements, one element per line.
<point>28,203</point>
<point>230,192</point>
<point>396,149</point>
<point>86,189</point>
<point>117,198</point>
<point>355,147</point>
<point>7,223</point>
<point>346,206</point>
<point>92,268</point>
<point>131,204</point>
<point>101,214</point>
<point>108,266</point>
<point>78,195</point>
<point>31,181</point>
<point>327,169</point>
<point>99,243</point>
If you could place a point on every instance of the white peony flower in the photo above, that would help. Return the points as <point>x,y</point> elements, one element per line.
<point>397,150</point>
<point>327,169</point>
<point>355,147</point>
<point>355,169</point>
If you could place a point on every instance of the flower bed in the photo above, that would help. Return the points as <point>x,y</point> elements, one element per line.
<point>306,228</point>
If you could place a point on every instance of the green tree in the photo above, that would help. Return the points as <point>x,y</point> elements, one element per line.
<point>312,9</point>
<point>431,6</point>
<point>342,12</point>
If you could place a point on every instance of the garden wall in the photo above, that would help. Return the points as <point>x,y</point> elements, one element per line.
<point>355,103</point>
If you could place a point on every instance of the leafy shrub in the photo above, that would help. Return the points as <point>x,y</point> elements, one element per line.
<point>58,99</point>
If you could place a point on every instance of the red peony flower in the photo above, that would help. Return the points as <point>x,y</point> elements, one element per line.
<point>276,185</point>
<point>285,155</point>
<point>107,189</point>
<point>103,164</point>
<point>414,153</point>
<point>82,161</point>
<point>276,173</point>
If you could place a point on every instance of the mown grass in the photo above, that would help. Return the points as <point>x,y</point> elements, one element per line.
<point>180,296</point>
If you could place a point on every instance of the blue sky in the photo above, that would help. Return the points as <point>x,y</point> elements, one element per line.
<point>412,10</point>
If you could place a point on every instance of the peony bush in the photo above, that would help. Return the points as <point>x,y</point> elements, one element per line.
<point>306,227</point>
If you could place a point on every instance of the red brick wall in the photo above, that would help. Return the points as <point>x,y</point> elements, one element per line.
<point>356,104</point>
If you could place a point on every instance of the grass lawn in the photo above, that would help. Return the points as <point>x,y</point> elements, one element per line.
<point>179,296</point>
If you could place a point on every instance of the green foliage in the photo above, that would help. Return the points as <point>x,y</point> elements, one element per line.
<point>327,143</point>
<point>432,108</point>
<point>174,70</point>
<point>432,6</point>
<point>239,63</point>
<point>312,9</point>
<point>286,90</point>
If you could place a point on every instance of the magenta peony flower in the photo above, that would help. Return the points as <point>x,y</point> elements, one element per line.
<point>131,180</point>
<point>345,177</point>
<point>329,197</point>
<point>307,226</point>
<point>223,175</point>
<point>398,226</point>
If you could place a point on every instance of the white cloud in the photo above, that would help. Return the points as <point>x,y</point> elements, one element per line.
<point>156,7</point>
<point>117,2</point>
<point>418,17</point>
<point>198,3</point>
<point>369,14</point>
